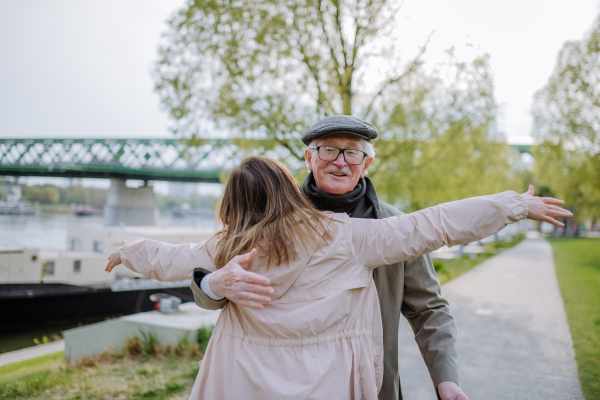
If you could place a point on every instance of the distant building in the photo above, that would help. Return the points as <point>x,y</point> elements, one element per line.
<point>12,190</point>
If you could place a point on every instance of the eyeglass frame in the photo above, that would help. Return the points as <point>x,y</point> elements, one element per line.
<point>342,151</point>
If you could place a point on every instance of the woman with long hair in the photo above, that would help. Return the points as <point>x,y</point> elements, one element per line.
<point>321,335</point>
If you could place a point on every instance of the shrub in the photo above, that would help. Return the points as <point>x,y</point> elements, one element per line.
<point>186,349</point>
<point>438,265</point>
<point>133,347</point>
<point>150,344</point>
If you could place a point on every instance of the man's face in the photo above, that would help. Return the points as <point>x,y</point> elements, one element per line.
<point>337,177</point>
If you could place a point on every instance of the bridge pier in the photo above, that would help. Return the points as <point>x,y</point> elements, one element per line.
<point>130,206</point>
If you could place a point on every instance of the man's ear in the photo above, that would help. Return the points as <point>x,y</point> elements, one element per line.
<point>308,157</point>
<point>367,164</point>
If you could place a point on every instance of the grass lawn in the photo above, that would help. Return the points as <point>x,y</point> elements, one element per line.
<point>449,269</point>
<point>11,372</point>
<point>144,369</point>
<point>578,270</point>
<point>146,377</point>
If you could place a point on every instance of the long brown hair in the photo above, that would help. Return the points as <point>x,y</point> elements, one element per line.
<point>262,207</point>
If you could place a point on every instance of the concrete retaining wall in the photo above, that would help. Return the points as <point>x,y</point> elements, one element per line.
<point>112,335</point>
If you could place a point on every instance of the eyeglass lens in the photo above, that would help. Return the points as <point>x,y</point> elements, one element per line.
<point>329,153</point>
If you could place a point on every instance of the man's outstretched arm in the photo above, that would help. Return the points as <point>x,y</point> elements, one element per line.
<point>435,330</point>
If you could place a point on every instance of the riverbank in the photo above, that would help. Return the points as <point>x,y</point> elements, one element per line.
<point>49,231</point>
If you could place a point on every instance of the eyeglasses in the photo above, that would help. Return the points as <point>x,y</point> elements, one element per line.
<point>331,153</point>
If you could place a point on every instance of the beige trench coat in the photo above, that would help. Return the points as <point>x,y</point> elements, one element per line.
<point>321,336</point>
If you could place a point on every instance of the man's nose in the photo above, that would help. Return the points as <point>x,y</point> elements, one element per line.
<point>340,161</point>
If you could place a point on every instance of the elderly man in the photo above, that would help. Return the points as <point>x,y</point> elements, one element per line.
<point>338,155</point>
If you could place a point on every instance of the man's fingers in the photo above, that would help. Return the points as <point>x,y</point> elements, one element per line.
<point>252,300</point>
<point>253,297</point>
<point>244,259</point>
<point>254,278</point>
<point>258,289</point>
<point>250,304</point>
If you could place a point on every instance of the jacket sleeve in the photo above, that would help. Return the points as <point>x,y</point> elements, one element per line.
<point>428,314</point>
<point>387,241</point>
<point>165,261</point>
<point>201,299</point>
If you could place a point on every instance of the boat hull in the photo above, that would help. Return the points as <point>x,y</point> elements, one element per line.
<point>25,305</point>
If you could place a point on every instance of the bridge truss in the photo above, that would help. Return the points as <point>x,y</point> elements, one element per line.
<point>145,159</point>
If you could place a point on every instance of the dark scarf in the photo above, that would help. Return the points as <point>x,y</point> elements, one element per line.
<point>359,203</point>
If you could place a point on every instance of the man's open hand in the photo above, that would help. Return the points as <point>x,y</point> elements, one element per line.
<point>240,286</point>
<point>451,391</point>
<point>544,208</point>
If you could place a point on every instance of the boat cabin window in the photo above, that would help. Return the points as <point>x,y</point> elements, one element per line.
<point>49,269</point>
<point>77,266</point>
<point>98,246</point>
<point>75,244</point>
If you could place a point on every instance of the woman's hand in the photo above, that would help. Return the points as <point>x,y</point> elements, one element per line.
<point>544,208</point>
<point>114,259</point>
<point>240,286</point>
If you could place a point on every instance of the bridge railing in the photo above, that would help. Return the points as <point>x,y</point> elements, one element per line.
<point>147,159</point>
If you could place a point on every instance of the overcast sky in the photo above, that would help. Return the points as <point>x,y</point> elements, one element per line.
<point>82,68</point>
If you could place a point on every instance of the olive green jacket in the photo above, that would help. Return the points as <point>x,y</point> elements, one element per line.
<point>413,289</point>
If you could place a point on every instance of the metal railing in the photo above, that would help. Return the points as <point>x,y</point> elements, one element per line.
<point>146,159</point>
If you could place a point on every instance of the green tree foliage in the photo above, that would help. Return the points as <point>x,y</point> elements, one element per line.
<point>439,138</point>
<point>77,195</point>
<point>567,119</point>
<point>270,69</point>
<point>47,194</point>
<point>51,194</point>
<point>570,175</point>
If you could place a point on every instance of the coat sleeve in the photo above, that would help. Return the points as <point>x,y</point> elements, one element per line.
<point>428,314</point>
<point>201,299</point>
<point>387,241</point>
<point>165,261</point>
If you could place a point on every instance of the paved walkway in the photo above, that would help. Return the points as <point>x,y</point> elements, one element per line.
<point>31,352</point>
<point>513,337</point>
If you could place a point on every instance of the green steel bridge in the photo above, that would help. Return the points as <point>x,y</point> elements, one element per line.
<point>145,159</point>
<point>521,148</point>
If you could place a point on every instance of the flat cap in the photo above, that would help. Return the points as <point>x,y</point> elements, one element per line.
<point>340,124</point>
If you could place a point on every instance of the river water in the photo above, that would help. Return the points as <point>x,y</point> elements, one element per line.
<point>49,232</point>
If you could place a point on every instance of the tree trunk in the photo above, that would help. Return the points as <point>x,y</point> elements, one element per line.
<point>346,91</point>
